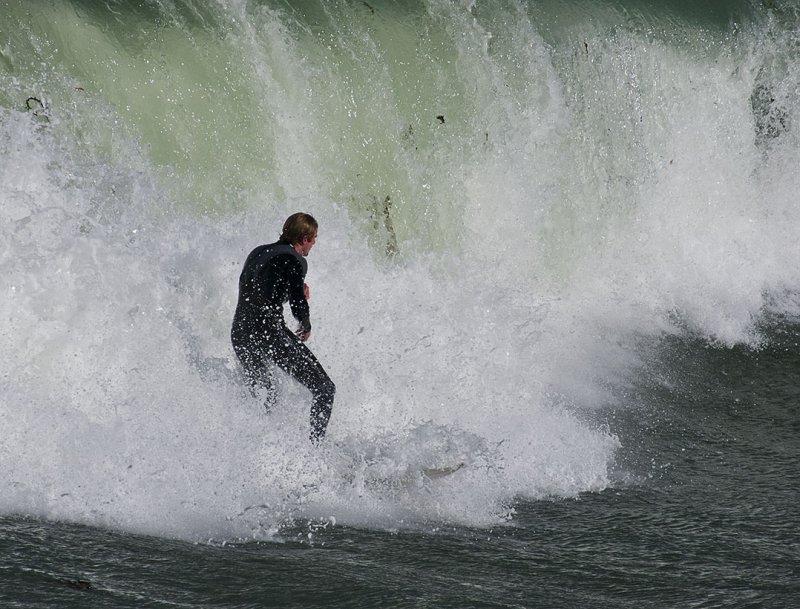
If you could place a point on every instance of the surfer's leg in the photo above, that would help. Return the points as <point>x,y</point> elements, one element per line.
<point>322,405</point>
<point>297,360</point>
<point>258,369</point>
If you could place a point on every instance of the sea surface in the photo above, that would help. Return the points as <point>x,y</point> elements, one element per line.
<point>558,244</point>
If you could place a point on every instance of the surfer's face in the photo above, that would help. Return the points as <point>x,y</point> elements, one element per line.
<point>304,247</point>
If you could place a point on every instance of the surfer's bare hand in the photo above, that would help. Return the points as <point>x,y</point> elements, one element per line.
<point>303,335</point>
<point>306,291</point>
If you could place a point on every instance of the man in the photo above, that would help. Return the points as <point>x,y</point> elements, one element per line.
<point>273,274</point>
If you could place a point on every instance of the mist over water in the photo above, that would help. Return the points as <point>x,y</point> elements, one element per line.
<point>511,198</point>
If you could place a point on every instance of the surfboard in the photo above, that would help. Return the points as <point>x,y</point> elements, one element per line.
<point>441,472</point>
<point>410,476</point>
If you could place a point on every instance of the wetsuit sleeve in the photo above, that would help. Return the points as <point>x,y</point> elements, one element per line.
<point>297,299</point>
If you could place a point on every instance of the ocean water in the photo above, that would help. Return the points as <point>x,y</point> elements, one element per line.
<point>558,243</point>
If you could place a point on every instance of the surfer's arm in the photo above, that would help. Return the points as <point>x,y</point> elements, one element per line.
<point>297,297</point>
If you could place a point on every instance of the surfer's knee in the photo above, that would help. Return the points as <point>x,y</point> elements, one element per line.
<point>329,388</point>
<point>324,389</point>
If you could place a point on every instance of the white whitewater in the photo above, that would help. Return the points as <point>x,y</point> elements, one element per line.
<point>574,200</point>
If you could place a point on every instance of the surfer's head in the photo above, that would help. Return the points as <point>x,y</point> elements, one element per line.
<point>300,231</point>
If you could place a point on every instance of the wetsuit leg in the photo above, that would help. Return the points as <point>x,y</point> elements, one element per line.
<point>257,366</point>
<point>294,358</point>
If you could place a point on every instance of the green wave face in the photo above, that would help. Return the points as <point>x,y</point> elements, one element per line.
<point>441,116</point>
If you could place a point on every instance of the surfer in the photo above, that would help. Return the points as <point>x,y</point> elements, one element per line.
<point>272,275</point>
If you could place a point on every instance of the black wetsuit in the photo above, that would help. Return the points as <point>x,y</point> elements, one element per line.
<point>273,274</point>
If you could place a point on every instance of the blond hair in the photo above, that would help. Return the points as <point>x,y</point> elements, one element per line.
<point>297,227</point>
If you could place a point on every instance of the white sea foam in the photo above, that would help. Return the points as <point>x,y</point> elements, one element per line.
<point>567,204</point>
<point>122,404</point>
